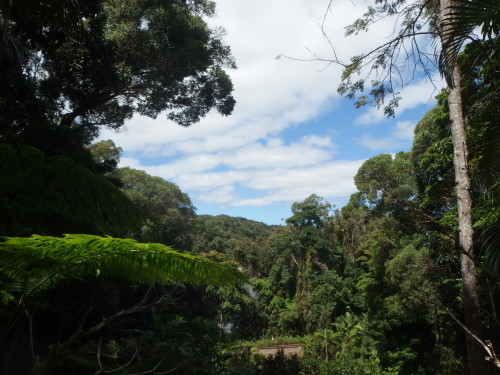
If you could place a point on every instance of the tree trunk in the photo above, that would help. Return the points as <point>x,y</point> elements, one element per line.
<point>475,353</point>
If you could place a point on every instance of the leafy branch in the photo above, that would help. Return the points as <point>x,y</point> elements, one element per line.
<point>386,67</point>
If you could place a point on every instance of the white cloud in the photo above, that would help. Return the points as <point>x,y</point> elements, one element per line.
<point>274,153</point>
<point>399,137</point>
<point>248,159</point>
<point>222,195</point>
<point>330,180</point>
<point>404,130</point>
<point>274,172</point>
<point>379,143</point>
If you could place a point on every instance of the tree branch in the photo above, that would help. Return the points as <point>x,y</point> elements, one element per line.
<point>101,370</point>
<point>486,344</point>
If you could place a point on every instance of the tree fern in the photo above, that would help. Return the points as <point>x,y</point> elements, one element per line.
<point>38,262</point>
<point>54,195</point>
<point>33,268</point>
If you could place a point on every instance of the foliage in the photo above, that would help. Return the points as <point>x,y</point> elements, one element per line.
<point>179,346</point>
<point>372,284</point>
<point>268,341</point>
<point>240,239</point>
<point>239,313</point>
<point>347,348</point>
<point>280,364</point>
<point>117,57</point>
<point>106,155</point>
<point>246,362</point>
<point>387,184</point>
<point>313,211</point>
<point>46,260</point>
<point>413,272</point>
<point>171,211</point>
<point>432,160</point>
<point>388,65</point>
<point>77,271</point>
<point>52,195</point>
<point>463,17</point>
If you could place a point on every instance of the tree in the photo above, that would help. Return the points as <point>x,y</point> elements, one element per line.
<point>313,211</point>
<point>463,187</point>
<point>240,239</point>
<point>106,155</point>
<point>464,16</point>
<point>387,184</point>
<point>432,160</point>
<point>62,13</point>
<point>117,58</point>
<point>390,60</point>
<point>298,253</point>
<point>171,210</point>
<point>350,223</point>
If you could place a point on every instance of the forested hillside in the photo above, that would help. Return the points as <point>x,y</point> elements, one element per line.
<point>107,270</point>
<point>238,239</point>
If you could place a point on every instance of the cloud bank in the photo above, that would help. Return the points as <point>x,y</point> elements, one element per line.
<point>275,147</point>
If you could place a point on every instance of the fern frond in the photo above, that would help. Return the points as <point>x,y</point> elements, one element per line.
<point>54,195</point>
<point>40,261</point>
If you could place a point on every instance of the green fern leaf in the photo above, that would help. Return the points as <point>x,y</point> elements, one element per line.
<point>41,261</point>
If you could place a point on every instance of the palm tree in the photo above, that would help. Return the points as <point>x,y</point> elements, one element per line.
<point>464,17</point>
<point>457,21</point>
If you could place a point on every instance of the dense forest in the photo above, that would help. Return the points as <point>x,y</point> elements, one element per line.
<point>107,270</point>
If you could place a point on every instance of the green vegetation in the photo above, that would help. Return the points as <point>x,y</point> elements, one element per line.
<point>148,286</point>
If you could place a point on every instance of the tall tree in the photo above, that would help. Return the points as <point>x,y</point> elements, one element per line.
<point>171,210</point>
<point>117,58</point>
<point>463,191</point>
<point>387,61</point>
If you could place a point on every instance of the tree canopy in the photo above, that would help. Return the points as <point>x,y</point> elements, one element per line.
<point>96,63</point>
<point>170,209</point>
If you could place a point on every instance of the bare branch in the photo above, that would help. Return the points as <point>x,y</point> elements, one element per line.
<point>30,328</point>
<point>388,63</point>
<point>101,370</point>
<point>486,344</point>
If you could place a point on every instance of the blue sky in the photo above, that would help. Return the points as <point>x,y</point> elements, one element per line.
<point>291,134</point>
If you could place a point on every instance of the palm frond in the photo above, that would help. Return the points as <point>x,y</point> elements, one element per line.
<point>461,19</point>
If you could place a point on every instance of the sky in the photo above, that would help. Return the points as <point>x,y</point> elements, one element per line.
<point>291,134</point>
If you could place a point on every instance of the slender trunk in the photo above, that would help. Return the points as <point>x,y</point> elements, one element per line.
<point>475,353</point>
<point>465,236</point>
<point>326,346</point>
